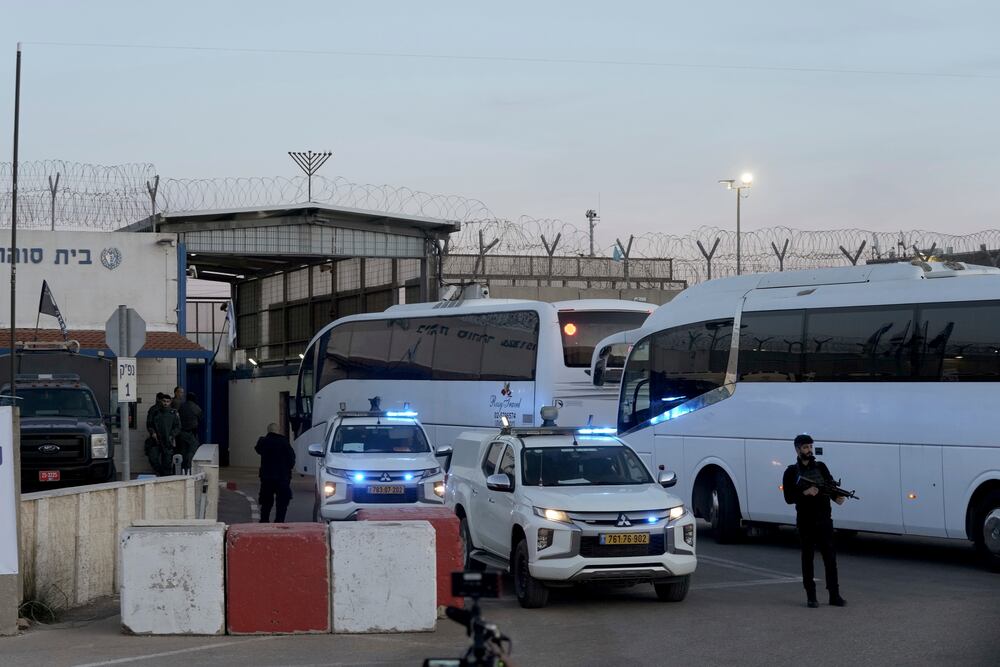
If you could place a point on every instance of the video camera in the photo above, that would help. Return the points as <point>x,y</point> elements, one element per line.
<point>489,646</point>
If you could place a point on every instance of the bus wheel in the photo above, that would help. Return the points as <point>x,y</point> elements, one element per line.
<point>987,530</point>
<point>724,514</point>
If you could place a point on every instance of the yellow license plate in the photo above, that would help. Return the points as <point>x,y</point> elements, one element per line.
<point>386,489</point>
<point>624,538</point>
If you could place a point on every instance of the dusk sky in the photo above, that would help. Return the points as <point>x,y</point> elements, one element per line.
<point>880,115</point>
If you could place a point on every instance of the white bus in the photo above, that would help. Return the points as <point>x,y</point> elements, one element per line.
<point>893,369</point>
<point>462,365</point>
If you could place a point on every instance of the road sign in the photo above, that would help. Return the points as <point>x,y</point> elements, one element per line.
<point>127,340</point>
<point>127,379</point>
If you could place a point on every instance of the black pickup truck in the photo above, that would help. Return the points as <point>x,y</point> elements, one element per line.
<point>64,436</point>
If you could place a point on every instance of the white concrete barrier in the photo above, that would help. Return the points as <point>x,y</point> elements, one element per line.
<point>173,580</point>
<point>383,576</point>
<point>69,537</point>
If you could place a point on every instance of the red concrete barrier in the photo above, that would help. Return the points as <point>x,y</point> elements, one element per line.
<point>277,578</point>
<point>449,546</point>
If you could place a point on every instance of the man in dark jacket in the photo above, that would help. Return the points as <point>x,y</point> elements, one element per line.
<point>165,427</point>
<point>277,459</point>
<point>187,441</point>
<point>801,484</point>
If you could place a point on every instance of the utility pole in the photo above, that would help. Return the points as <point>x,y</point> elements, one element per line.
<point>13,227</point>
<point>592,217</point>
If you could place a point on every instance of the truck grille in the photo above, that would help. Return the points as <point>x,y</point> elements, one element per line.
<point>590,547</point>
<point>71,449</point>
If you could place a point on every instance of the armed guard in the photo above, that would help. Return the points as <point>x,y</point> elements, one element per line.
<point>809,486</point>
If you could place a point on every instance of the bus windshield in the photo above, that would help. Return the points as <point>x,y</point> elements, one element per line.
<point>582,330</point>
<point>379,439</point>
<point>583,466</point>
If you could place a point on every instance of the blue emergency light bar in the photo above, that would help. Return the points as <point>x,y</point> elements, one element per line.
<point>403,413</point>
<point>597,431</point>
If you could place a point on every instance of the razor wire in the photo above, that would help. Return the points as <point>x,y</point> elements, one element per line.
<point>108,198</point>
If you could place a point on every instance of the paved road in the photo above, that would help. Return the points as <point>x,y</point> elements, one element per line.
<point>914,602</point>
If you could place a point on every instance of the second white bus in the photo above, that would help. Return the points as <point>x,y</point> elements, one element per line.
<point>893,369</point>
<point>463,365</point>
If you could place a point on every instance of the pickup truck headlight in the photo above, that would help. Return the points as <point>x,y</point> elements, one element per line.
<point>677,512</point>
<point>99,446</point>
<point>429,472</point>
<point>552,515</point>
<point>338,472</point>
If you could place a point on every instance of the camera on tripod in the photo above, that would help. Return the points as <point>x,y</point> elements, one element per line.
<point>489,646</point>
<point>475,584</point>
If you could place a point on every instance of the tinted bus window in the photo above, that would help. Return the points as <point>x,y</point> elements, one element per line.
<point>458,347</point>
<point>582,330</point>
<point>411,354</point>
<point>687,362</point>
<point>859,344</point>
<point>510,347</point>
<point>633,404</point>
<point>958,342</point>
<point>771,346</point>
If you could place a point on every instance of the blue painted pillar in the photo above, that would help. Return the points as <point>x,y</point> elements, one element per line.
<point>182,308</point>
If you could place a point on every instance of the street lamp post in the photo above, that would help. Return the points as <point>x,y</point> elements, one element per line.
<point>744,183</point>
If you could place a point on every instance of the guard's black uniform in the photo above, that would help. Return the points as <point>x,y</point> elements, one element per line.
<point>813,519</point>
<point>277,459</point>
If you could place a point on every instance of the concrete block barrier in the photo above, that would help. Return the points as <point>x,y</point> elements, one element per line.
<point>448,543</point>
<point>383,576</point>
<point>172,578</point>
<point>277,578</point>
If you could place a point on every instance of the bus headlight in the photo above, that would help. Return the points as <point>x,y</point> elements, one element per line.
<point>439,489</point>
<point>329,489</point>
<point>99,446</point>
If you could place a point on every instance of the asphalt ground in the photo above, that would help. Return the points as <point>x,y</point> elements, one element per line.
<point>910,601</point>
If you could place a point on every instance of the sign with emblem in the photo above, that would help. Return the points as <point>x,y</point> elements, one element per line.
<point>8,518</point>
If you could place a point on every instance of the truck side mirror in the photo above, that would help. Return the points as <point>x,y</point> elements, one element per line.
<point>317,450</point>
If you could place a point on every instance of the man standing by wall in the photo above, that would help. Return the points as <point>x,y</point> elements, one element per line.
<point>277,459</point>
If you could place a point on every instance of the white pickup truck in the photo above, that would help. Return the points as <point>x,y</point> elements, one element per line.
<point>558,506</point>
<point>375,459</point>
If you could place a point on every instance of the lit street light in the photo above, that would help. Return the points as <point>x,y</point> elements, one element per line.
<point>744,182</point>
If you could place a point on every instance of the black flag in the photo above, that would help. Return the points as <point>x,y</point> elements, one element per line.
<point>47,306</point>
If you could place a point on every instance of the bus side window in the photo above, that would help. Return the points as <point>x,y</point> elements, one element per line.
<point>633,405</point>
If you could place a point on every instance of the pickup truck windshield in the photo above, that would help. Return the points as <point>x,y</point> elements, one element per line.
<point>56,402</point>
<point>379,439</point>
<point>582,466</point>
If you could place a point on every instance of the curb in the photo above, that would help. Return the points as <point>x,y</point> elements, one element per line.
<point>254,507</point>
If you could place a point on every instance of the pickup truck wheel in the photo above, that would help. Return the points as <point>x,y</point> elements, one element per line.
<point>466,537</point>
<point>531,593</point>
<point>675,591</point>
<point>987,530</point>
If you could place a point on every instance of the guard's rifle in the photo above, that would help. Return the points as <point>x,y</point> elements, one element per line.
<point>832,489</point>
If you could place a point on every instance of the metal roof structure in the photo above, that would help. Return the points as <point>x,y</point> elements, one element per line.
<point>240,243</point>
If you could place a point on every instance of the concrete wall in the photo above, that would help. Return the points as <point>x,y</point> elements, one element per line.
<point>69,537</point>
<point>653,296</point>
<point>91,273</point>
<point>253,404</point>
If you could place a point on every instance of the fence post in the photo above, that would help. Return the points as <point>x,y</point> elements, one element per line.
<point>780,255</point>
<point>708,255</point>
<point>853,259</point>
